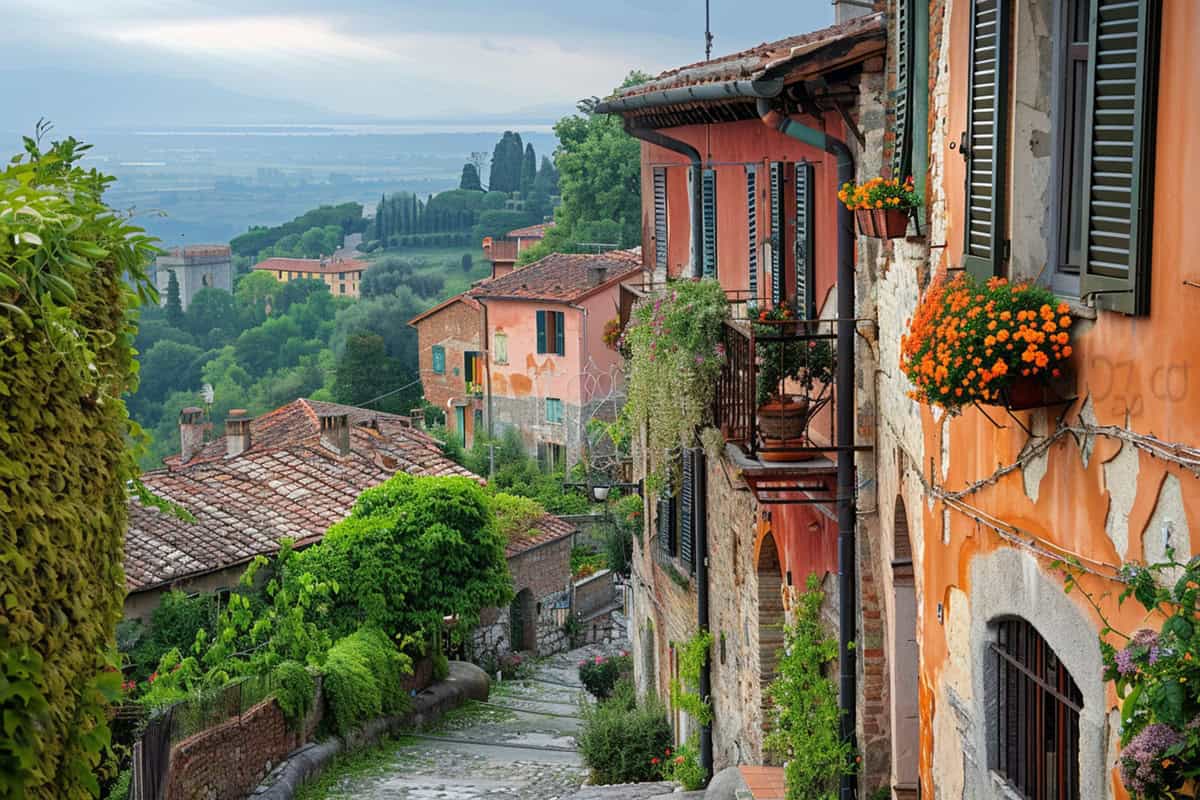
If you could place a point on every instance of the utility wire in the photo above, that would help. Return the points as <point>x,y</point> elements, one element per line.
<point>389,394</point>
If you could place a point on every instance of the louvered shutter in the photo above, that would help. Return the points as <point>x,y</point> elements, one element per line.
<point>687,508</point>
<point>660,217</point>
<point>986,151</point>
<point>806,301</point>
<point>559,334</point>
<point>752,227</point>
<point>776,233</point>
<point>1119,155</point>
<point>708,201</point>
<point>902,97</point>
<point>666,531</point>
<point>541,331</point>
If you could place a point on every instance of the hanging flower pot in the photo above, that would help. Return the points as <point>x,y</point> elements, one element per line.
<point>890,223</point>
<point>865,217</point>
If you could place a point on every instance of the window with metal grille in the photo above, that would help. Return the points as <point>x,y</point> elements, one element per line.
<point>985,144</point>
<point>1118,157</point>
<point>660,217</point>
<point>1037,715</point>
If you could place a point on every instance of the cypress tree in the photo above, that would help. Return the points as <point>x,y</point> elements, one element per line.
<point>528,171</point>
<point>470,178</point>
<point>174,304</point>
<point>381,219</point>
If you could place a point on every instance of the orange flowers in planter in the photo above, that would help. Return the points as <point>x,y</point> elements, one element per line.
<point>970,342</point>
<point>883,193</point>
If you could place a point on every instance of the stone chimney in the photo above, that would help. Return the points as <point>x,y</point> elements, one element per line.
<point>237,432</point>
<point>191,432</point>
<point>846,10</point>
<point>417,417</point>
<point>335,433</point>
<point>596,275</point>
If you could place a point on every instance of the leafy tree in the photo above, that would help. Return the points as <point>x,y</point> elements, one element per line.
<point>529,167</point>
<point>174,304</point>
<point>499,223</point>
<point>165,366</point>
<point>255,294</point>
<point>365,372</point>
<point>414,550</point>
<point>385,316</point>
<point>347,216</point>
<point>470,178</point>
<point>259,349</point>
<point>385,276</point>
<point>507,160</point>
<point>297,291</point>
<point>547,178</point>
<point>212,311</point>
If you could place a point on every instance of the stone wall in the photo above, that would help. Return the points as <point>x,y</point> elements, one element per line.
<point>545,571</point>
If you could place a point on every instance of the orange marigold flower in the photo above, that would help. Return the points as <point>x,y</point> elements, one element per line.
<point>958,392</point>
<point>1002,335</point>
<point>1065,322</point>
<point>1066,351</point>
<point>1006,315</point>
<point>1063,308</point>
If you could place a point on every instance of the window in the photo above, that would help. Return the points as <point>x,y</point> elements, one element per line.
<point>660,218</point>
<point>708,203</point>
<point>500,347</point>
<point>341,276</point>
<point>473,367</point>
<point>341,288</point>
<point>752,227</point>
<point>688,510</point>
<point>806,300</point>
<point>1071,146</point>
<point>667,520</point>
<point>1118,155</point>
<point>550,334</point>
<point>280,274</point>
<point>910,156</point>
<point>984,145</point>
<point>776,233</point>
<point>1037,715</point>
<point>439,359</point>
<point>554,409</point>
<point>551,456</point>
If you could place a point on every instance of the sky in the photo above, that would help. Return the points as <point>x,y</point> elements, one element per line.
<point>122,62</point>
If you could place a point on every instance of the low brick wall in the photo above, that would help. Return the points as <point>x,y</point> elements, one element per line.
<point>227,761</point>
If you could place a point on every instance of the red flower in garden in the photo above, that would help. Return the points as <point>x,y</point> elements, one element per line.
<point>654,760</point>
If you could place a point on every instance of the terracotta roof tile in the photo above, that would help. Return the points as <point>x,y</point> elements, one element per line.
<point>322,265</point>
<point>561,277</point>
<point>548,529</point>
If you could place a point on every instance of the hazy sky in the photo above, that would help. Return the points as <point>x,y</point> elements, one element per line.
<point>384,58</point>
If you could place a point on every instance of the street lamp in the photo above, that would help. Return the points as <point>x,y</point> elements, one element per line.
<point>600,493</point>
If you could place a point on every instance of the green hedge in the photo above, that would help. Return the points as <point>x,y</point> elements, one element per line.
<point>624,740</point>
<point>294,691</point>
<point>364,678</point>
<point>65,362</point>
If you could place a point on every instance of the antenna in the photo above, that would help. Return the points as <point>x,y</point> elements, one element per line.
<point>708,37</point>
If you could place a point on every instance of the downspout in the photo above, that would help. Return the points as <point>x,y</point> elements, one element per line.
<point>847,578</point>
<point>683,148</point>
<point>706,731</point>
<point>487,365</point>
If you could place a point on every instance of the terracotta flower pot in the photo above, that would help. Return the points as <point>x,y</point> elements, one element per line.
<point>865,217</point>
<point>783,419</point>
<point>891,223</point>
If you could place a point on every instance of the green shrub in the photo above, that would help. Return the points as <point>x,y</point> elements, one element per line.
<point>120,788</point>
<point>364,676</point>
<point>173,625</point>
<point>70,268</point>
<point>441,667</point>
<point>805,725</point>
<point>599,675</point>
<point>682,765</point>
<point>295,690</point>
<point>623,740</point>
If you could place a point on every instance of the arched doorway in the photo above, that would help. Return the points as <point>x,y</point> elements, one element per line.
<point>523,621</point>
<point>904,663</point>
<point>770,616</point>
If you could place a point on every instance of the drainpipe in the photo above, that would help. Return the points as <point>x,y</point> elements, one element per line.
<point>706,732</point>
<point>675,145</point>
<point>847,579</point>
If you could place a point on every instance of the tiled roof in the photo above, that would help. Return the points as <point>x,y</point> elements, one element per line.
<point>321,265</point>
<point>287,484</point>
<point>531,232</point>
<point>465,298</point>
<point>547,529</point>
<point>562,277</point>
<point>769,59</point>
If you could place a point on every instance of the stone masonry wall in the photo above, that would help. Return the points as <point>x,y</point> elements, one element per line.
<point>546,572</point>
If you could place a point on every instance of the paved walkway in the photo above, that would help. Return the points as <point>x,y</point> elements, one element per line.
<point>520,745</point>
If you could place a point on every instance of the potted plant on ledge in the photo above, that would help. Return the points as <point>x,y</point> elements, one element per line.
<point>783,416</point>
<point>881,206</point>
<point>993,343</point>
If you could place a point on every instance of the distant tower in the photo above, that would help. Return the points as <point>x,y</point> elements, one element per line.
<point>196,267</point>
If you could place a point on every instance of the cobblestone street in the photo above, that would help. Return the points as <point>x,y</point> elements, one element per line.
<point>518,746</point>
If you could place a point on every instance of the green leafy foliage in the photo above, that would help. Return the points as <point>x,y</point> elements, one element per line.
<point>599,675</point>
<point>515,515</point>
<point>585,561</point>
<point>624,740</point>
<point>69,268</point>
<point>676,353</point>
<point>516,472</point>
<point>364,677</point>
<point>805,717</point>
<point>415,550</point>
<point>173,625</point>
<point>295,690</point>
<point>683,765</point>
<point>347,217</point>
<point>685,690</point>
<point>1156,675</point>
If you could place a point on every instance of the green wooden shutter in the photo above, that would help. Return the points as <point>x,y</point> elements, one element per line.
<point>806,301</point>
<point>776,233</point>
<point>439,359</point>
<point>559,335</point>
<point>1119,155</point>
<point>666,532</point>
<point>660,217</point>
<point>752,228</point>
<point>687,509</point>
<point>902,96</point>
<point>541,331</point>
<point>708,201</point>
<point>987,133</point>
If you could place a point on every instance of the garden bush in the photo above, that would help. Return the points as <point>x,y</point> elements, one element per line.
<point>364,677</point>
<point>682,765</point>
<point>295,690</point>
<point>623,740</point>
<point>599,675</point>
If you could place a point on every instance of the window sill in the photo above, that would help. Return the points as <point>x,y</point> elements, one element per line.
<point>1079,310</point>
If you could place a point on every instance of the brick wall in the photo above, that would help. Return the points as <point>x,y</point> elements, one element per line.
<point>546,572</point>
<point>457,328</point>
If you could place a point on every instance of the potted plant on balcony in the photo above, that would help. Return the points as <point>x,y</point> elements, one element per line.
<point>881,206</point>
<point>805,362</point>
<point>992,343</point>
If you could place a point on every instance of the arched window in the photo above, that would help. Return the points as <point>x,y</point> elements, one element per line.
<point>1037,715</point>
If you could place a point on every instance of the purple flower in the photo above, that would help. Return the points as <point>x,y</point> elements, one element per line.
<point>1144,637</point>
<point>1141,760</point>
<point>1125,665</point>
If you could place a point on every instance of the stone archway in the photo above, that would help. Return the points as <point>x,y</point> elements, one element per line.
<point>770,615</point>
<point>523,621</point>
<point>904,663</point>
